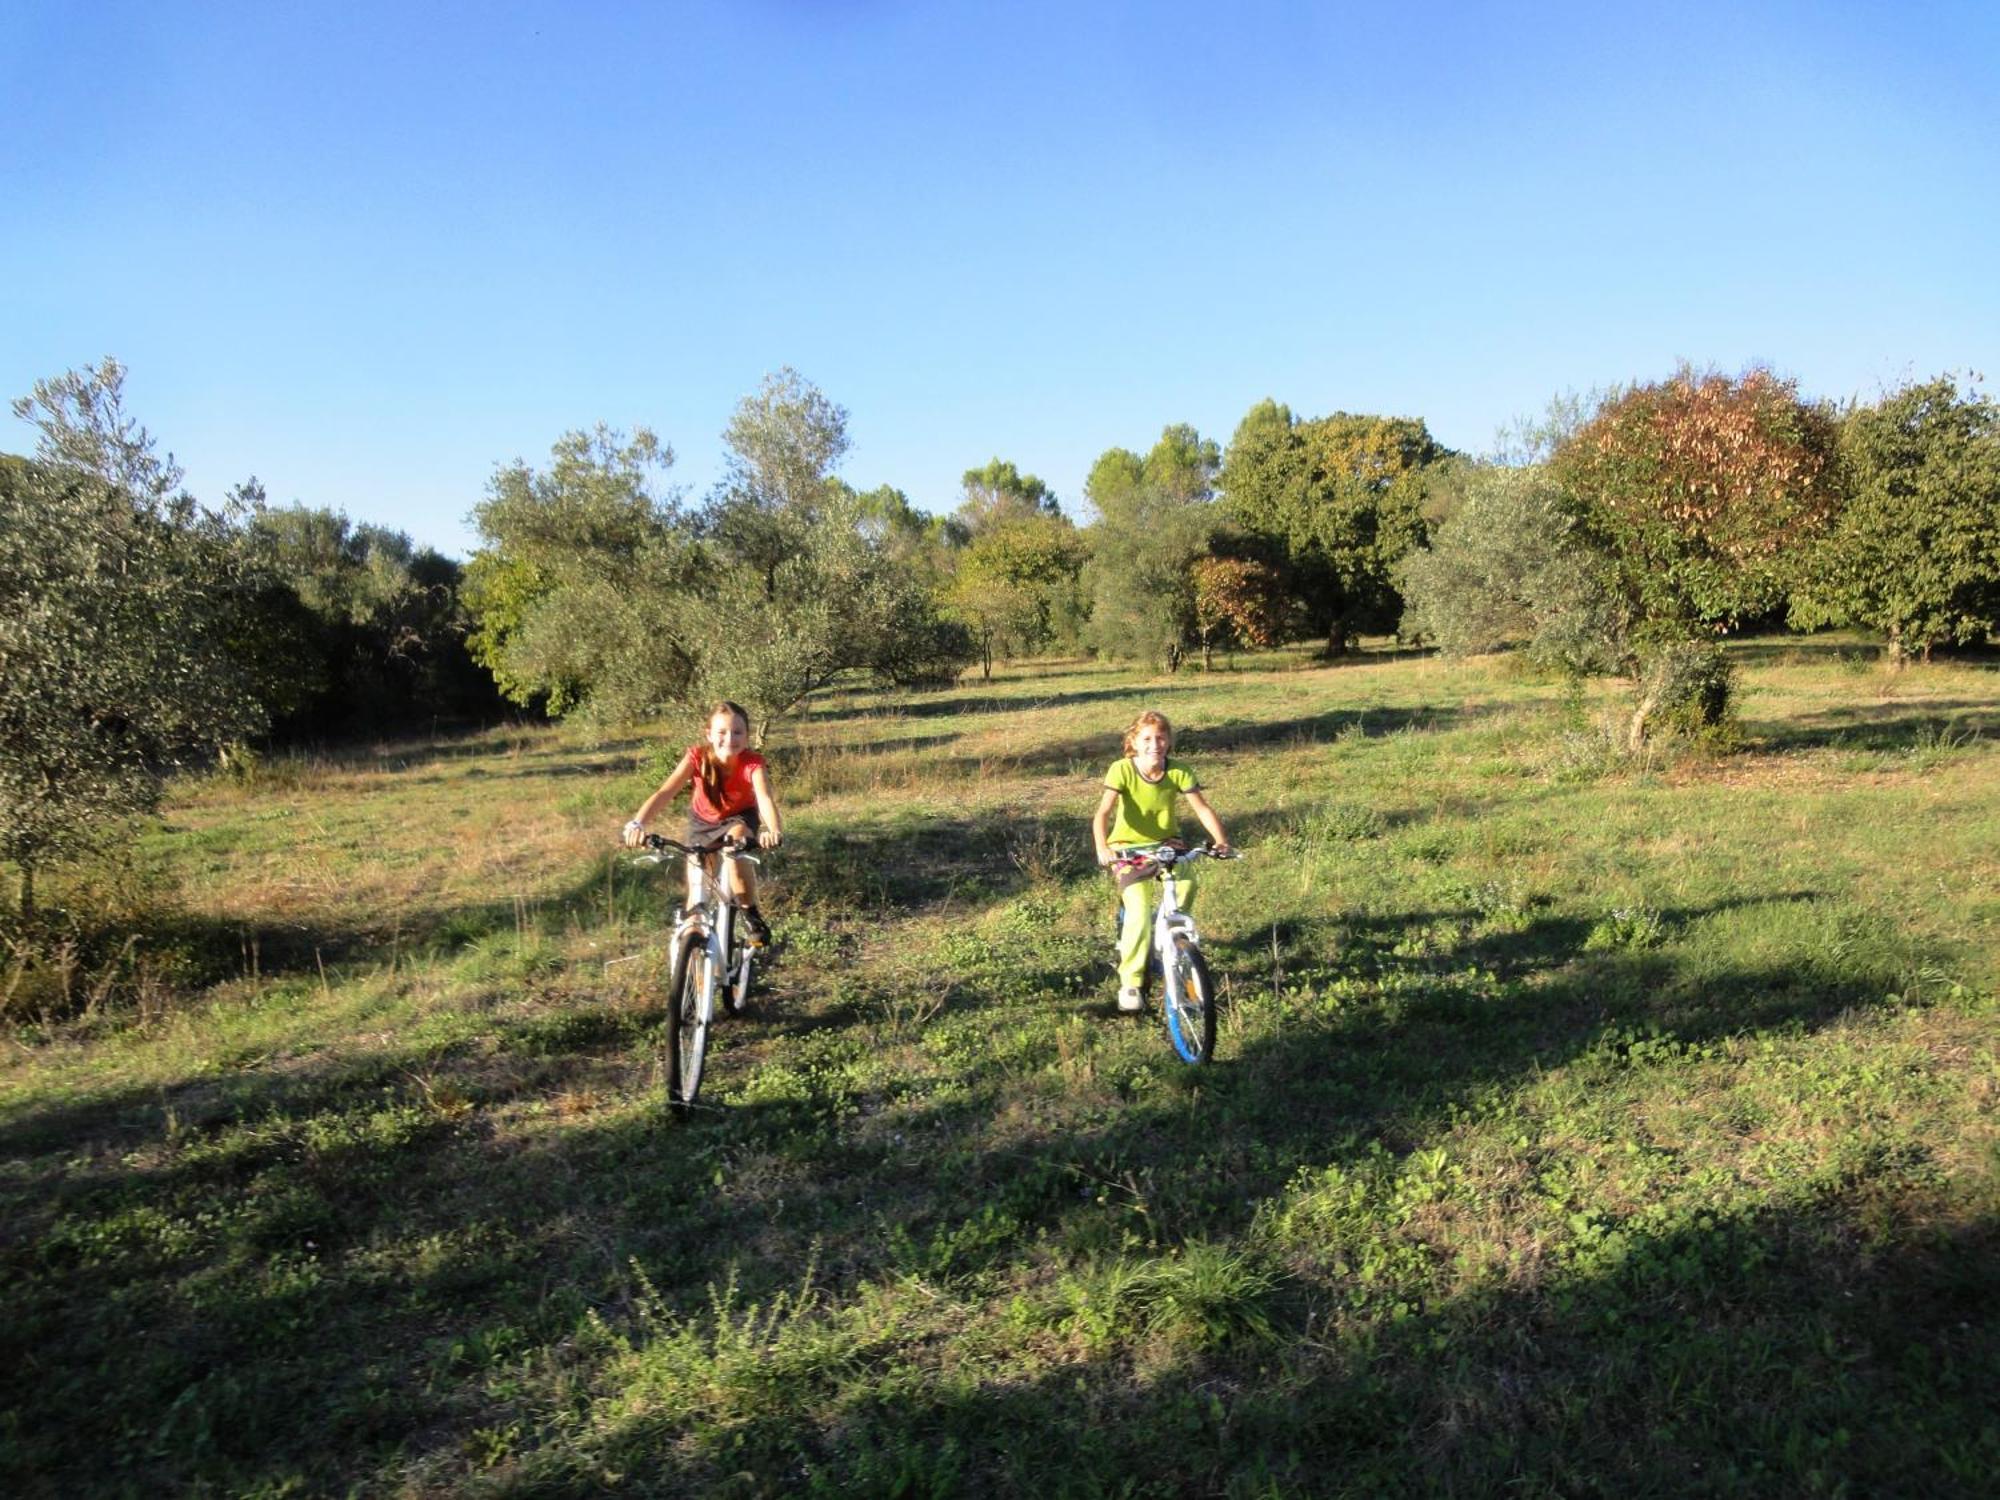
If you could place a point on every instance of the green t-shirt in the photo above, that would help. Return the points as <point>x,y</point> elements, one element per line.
<point>1146,808</point>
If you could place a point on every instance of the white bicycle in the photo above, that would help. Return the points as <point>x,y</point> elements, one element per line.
<point>1187,992</point>
<point>709,958</point>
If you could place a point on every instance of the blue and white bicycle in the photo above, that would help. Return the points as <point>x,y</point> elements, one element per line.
<point>1187,993</point>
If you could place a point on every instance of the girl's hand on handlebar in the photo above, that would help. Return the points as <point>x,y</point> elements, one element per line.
<point>635,834</point>
<point>1106,858</point>
<point>1222,850</point>
<point>769,838</point>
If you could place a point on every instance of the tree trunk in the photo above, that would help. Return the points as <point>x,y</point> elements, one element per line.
<point>986,658</point>
<point>1635,737</point>
<point>1336,641</point>
<point>1207,655</point>
<point>1898,656</point>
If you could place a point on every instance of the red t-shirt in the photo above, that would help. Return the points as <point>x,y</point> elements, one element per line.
<point>735,794</point>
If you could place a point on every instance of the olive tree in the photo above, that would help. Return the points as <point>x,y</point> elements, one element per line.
<point>565,595</point>
<point>1508,569</point>
<point>1155,517</point>
<point>603,595</point>
<point>118,593</point>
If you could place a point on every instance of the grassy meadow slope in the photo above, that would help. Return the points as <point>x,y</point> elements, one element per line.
<point>1578,1127</point>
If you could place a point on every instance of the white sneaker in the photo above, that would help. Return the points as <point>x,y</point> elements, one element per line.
<point>1129,1000</point>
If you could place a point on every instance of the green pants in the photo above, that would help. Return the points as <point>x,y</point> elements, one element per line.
<point>1135,932</point>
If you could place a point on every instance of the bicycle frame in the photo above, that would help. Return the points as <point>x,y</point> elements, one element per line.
<point>711,910</point>
<point>1169,921</point>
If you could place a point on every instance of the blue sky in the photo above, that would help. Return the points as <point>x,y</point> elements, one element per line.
<point>367,252</point>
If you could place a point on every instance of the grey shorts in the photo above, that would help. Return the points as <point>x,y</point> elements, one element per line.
<point>702,834</point>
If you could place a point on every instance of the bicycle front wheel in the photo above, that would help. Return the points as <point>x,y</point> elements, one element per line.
<point>692,1003</point>
<point>1190,1003</point>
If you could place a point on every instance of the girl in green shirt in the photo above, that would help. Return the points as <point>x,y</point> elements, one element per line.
<point>1139,807</point>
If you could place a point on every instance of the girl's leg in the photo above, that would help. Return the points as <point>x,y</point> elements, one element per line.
<point>1135,933</point>
<point>743,883</point>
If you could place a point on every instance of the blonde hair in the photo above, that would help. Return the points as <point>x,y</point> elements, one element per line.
<point>1157,720</point>
<point>710,769</point>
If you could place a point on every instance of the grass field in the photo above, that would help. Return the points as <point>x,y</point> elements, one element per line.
<point>1579,1126</point>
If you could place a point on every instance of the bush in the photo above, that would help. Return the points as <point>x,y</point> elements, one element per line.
<point>929,651</point>
<point>1685,688</point>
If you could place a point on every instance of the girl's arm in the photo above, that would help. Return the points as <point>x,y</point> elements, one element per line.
<point>770,832</point>
<point>1209,820</point>
<point>669,789</point>
<point>1100,825</point>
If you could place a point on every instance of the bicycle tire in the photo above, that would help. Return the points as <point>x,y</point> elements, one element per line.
<point>687,1032</point>
<point>684,943</point>
<point>679,965</point>
<point>1189,1004</point>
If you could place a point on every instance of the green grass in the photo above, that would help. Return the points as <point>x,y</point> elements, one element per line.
<point>1579,1126</point>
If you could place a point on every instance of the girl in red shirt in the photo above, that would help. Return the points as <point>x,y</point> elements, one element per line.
<point>732,803</point>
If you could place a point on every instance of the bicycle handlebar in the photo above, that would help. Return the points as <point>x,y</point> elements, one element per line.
<point>1167,856</point>
<point>727,848</point>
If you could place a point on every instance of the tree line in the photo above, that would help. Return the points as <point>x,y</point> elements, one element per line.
<point>142,630</point>
<point>1625,534</point>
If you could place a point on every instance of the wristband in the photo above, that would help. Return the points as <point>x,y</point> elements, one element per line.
<point>635,826</point>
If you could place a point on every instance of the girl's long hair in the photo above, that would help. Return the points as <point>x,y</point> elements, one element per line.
<point>1157,720</point>
<point>710,769</point>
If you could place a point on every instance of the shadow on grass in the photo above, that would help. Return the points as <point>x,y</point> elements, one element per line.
<point>1089,755</point>
<point>200,950</point>
<point>986,699</point>
<point>319,1274</point>
<point>1785,652</point>
<point>786,757</point>
<point>1882,728</point>
<point>610,765</point>
<point>1451,939</point>
<point>1797,1350</point>
<point>508,740</point>
<point>1249,734</point>
<point>1022,693</point>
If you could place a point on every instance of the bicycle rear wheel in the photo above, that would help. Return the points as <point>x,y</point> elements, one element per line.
<point>1189,999</point>
<point>690,1002</point>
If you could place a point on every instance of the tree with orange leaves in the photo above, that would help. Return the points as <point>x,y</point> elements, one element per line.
<point>1705,490</point>
<point>1237,600</point>
<point>1704,495</point>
